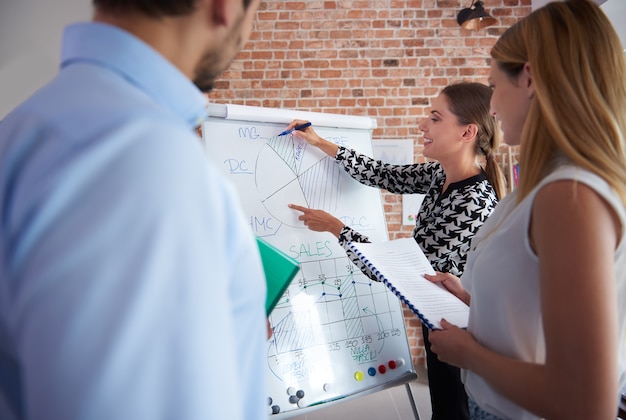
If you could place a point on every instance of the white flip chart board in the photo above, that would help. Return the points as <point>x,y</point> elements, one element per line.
<point>336,334</point>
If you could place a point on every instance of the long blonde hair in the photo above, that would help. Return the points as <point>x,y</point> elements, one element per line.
<point>578,69</point>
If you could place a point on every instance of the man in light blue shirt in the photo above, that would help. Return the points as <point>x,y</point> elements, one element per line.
<point>130,284</point>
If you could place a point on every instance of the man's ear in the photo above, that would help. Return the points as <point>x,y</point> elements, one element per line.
<point>222,13</point>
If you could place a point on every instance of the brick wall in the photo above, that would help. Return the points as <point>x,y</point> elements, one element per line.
<point>385,59</point>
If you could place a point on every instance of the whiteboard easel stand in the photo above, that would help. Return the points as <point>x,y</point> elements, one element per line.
<point>412,401</point>
<point>251,159</point>
<point>406,379</point>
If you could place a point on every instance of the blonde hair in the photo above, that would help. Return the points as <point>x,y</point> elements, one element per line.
<point>470,103</point>
<point>578,69</point>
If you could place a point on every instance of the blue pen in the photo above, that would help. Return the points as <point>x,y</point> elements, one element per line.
<point>297,127</point>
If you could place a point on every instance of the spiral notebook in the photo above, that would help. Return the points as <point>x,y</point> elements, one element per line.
<point>400,264</point>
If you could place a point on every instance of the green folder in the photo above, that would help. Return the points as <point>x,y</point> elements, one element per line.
<point>280,269</point>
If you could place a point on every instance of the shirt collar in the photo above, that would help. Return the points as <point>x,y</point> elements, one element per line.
<point>137,62</point>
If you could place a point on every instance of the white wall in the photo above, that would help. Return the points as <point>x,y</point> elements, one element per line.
<point>30,41</point>
<point>614,9</point>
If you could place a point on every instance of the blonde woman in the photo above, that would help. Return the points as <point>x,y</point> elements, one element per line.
<point>546,277</point>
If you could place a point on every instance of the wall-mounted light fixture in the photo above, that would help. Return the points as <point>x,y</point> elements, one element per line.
<point>475,17</point>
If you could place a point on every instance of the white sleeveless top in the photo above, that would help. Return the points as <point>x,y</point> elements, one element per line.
<point>505,311</point>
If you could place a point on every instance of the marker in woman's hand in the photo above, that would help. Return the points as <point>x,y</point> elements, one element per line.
<point>297,127</point>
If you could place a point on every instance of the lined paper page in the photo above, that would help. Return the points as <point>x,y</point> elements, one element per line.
<point>402,264</point>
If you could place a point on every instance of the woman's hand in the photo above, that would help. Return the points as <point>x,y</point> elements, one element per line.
<point>319,220</point>
<point>452,284</point>
<point>311,137</point>
<point>452,344</point>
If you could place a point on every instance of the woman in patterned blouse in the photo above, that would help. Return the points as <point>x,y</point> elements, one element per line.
<point>460,193</point>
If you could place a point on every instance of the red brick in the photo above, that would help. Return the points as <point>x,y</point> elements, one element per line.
<point>386,60</point>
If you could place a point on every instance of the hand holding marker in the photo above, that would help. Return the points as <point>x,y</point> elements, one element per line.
<point>297,127</point>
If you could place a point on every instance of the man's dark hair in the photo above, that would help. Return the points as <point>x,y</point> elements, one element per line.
<point>154,8</point>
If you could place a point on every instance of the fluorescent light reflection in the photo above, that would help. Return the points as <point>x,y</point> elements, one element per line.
<point>315,352</point>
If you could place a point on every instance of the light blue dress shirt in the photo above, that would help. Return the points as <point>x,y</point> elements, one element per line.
<point>130,283</point>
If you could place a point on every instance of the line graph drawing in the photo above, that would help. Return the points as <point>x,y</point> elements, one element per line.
<point>335,308</point>
<point>286,172</point>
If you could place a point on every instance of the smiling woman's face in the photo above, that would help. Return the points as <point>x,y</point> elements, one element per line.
<point>442,131</point>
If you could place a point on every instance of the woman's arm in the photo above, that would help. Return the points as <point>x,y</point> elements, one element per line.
<point>318,220</point>
<point>400,179</point>
<point>574,233</point>
<point>321,221</point>
<point>311,137</point>
<point>452,284</point>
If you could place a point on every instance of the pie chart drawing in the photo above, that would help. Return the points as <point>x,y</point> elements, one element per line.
<point>287,173</point>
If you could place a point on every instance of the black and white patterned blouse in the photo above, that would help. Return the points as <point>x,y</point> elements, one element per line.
<point>445,223</point>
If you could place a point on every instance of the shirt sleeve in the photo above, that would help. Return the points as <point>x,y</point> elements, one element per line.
<point>348,235</point>
<point>399,179</point>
